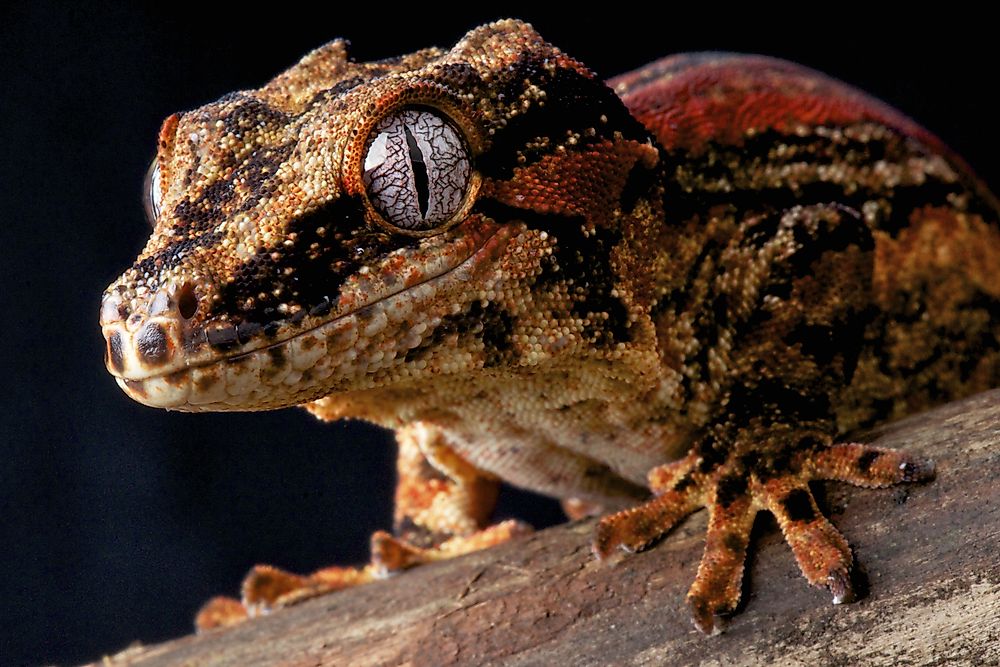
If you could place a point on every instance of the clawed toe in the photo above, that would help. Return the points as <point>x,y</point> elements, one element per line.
<point>265,585</point>
<point>636,528</point>
<point>219,612</point>
<point>840,586</point>
<point>734,492</point>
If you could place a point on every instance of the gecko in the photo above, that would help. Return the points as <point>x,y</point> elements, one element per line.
<point>678,289</point>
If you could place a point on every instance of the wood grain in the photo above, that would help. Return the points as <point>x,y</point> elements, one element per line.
<point>927,555</point>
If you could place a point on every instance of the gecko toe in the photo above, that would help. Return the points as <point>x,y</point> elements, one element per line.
<point>219,612</point>
<point>702,615</point>
<point>839,583</point>
<point>917,470</point>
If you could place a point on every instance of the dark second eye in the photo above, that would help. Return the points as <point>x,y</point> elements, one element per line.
<point>416,170</point>
<point>151,193</point>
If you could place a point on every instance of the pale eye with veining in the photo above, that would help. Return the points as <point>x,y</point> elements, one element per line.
<point>416,170</point>
<point>152,193</point>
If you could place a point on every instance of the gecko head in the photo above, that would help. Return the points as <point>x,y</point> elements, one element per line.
<point>352,225</point>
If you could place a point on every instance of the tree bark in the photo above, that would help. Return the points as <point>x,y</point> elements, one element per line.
<point>926,560</point>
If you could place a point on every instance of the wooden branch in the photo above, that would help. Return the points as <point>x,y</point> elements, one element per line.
<point>928,554</point>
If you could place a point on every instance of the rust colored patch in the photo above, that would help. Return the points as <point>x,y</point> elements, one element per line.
<point>206,382</point>
<point>176,379</point>
<point>697,100</point>
<point>553,186</point>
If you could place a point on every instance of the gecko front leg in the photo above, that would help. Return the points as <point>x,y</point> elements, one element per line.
<point>442,506</point>
<point>790,295</point>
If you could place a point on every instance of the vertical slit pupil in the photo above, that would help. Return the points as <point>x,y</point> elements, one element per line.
<point>419,172</point>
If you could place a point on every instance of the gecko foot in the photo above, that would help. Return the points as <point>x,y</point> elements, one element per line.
<point>734,491</point>
<point>267,588</point>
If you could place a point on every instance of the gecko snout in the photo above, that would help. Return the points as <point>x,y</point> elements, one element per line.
<point>142,335</point>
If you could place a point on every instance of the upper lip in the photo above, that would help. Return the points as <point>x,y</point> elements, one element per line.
<point>283,341</point>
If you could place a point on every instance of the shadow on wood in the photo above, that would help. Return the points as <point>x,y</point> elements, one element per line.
<point>928,553</point>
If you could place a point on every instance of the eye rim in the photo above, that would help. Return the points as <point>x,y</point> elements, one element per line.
<point>452,114</point>
<point>152,193</point>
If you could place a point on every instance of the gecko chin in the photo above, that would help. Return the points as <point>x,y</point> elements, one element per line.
<point>362,343</point>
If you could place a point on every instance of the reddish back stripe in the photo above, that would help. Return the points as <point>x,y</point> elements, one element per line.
<point>689,100</point>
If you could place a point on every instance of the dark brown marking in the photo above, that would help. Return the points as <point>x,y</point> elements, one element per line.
<point>172,255</point>
<point>222,337</point>
<point>575,102</point>
<point>335,340</point>
<point>729,489</point>
<point>246,331</point>
<point>320,262</point>
<point>277,354</point>
<point>798,506</point>
<point>734,543</point>
<point>866,460</point>
<point>493,324</point>
<point>322,308</point>
<point>364,315</point>
<point>176,379</point>
<point>640,182</point>
<point>152,343</point>
<point>712,452</point>
<point>683,483</point>
<point>116,354</point>
<point>810,443</point>
<point>584,259</point>
<point>206,381</point>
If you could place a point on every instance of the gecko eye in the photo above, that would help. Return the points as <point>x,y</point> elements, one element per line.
<point>152,193</point>
<point>416,170</point>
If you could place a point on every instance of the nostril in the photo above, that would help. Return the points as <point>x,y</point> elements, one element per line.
<point>187,301</point>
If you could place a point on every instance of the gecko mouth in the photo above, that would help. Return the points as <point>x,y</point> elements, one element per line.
<point>377,320</point>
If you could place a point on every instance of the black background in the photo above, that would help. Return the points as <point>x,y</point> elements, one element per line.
<point>117,521</point>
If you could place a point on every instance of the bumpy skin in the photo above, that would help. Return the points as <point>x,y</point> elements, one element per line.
<point>693,280</point>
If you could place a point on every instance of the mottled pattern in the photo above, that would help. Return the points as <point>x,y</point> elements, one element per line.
<point>692,281</point>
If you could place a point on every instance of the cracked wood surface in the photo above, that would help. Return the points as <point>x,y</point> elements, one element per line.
<point>926,561</point>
